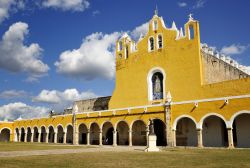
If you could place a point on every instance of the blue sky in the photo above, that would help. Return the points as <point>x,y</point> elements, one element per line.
<point>53,52</point>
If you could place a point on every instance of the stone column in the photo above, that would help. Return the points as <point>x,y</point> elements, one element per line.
<point>19,137</point>
<point>199,136</point>
<point>169,133</point>
<point>130,137</point>
<point>147,133</point>
<point>32,137</point>
<point>114,138</point>
<point>25,137</point>
<point>55,137</point>
<point>100,138</point>
<point>88,137</point>
<point>76,138</point>
<point>174,138</point>
<point>47,137</point>
<point>64,137</point>
<point>39,137</point>
<point>230,138</point>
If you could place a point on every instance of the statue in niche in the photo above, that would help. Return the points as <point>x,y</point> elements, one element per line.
<point>157,88</point>
<point>151,127</point>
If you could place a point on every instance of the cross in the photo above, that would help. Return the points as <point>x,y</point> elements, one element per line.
<point>191,16</point>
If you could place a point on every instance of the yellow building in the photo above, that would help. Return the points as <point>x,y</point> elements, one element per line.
<point>196,97</point>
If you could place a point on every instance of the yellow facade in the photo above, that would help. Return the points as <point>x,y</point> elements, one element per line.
<point>185,94</point>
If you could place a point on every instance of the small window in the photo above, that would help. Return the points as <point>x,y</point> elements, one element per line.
<point>159,41</point>
<point>120,45</point>
<point>151,44</point>
<point>126,52</point>
<point>155,25</point>
<point>191,32</point>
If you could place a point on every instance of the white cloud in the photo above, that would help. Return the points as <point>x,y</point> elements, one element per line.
<point>94,59</point>
<point>9,94</point>
<point>234,49</point>
<point>199,4</point>
<point>9,6</point>
<point>74,5</point>
<point>96,12</point>
<point>58,97</point>
<point>17,57</point>
<point>13,111</point>
<point>182,4</point>
<point>140,30</point>
<point>59,100</point>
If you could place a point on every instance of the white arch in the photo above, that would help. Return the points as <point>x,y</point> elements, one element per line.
<point>41,128</point>
<point>105,123</point>
<point>181,117</point>
<point>116,124</point>
<point>82,124</point>
<point>199,125</point>
<point>7,129</point>
<point>132,123</point>
<point>236,115</point>
<point>56,130</point>
<point>149,81</point>
<point>23,129</point>
<point>155,118</point>
<point>66,127</point>
<point>94,123</point>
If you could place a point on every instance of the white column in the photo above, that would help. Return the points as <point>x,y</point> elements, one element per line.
<point>32,136</point>
<point>47,136</point>
<point>76,138</point>
<point>199,136</point>
<point>130,137</point>
<point>19,137</point>
<point>174,137</point>
<point>55,137</point>
<point>64,137</point>
<point>114,138</point>
<point>100,138</point>
<point>39,136</point>
<point>25,136</point>
<point>230,138</point>
<point>88,137</point>
<point>147,133</point>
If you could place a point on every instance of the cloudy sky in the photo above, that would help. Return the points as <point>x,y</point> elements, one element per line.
<point>53,52</point>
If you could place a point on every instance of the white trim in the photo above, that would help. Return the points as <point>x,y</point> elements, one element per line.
<point>132,123</point>
<point>78,126</point>
<point>149,82</point>
<point>210,99</point>
<point>236,115</point>
<point>200,123</point>
<point>104,122</point>
<point>116,124</point>
<point>5,128</point>
<point>184,116</point>
<point>94,123</point>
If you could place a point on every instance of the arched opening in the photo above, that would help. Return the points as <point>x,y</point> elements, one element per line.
<point>155,25</point>
<point>5,135</point>
<point>191,32</point>
<point>22,134</point>
<point>107,133</point>
<point>160,132</point>
<point>36,134</point>
<point>120,46</point>
<point>241,131</point>
<point>139,137</point>
<point>69,136</point>
<point>160,41</point>
<point>43,134</point>
<point>214,132</point>
<point>157,85</point>
<point>82,134</point>
<point>126,52</point>
<point>29,134</point>
<point>151,44</point>
<point>17,135</point>
<point>51,134</point>
<point>186,134</point>
<point>122,133</point>
<point>94,134</point>
<point>60,134</point>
